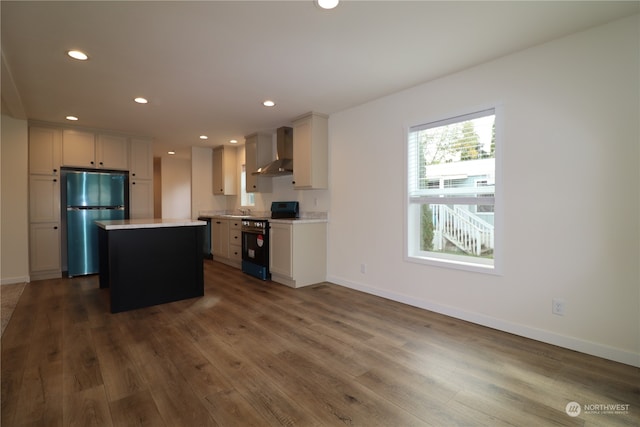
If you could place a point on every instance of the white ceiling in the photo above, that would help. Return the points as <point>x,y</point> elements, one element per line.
<point>206,67</point>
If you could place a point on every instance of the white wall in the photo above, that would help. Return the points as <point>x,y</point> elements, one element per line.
<point>571,190</point>
<point>176,187</point>
<point>14,226</point>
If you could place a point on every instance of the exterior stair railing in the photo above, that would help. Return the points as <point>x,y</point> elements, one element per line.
<point>471,234</point>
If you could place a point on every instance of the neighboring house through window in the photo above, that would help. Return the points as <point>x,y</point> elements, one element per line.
<point>451,192</point>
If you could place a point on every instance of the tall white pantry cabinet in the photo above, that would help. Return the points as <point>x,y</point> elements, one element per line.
<point>51,148</point>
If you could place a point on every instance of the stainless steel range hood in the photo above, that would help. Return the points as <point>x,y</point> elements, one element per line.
<point>283,165</point>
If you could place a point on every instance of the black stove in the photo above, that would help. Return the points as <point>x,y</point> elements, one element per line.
<point>255,239</point>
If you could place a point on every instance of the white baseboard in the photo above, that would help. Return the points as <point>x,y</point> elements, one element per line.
<point>571,343</point>
<point>14,280</point>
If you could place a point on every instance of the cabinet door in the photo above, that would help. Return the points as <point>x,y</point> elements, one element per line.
<point>310,152</point>
<point>302,154</point>
<point>78,148</point>
<point>44,198</point>
<point>224,171</point>
<point>218,173</point>
<point>250,161</point>
<point>220,238</point>
<point>281,261</point>
<point>112,152</point>
<point>44,247</point>
<point>45,146</point>
<point>141,199</point>
<point>257,153</point>
<point>141,159</point>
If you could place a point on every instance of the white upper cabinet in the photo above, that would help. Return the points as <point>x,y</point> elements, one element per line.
<point>45,145</point>
<point>112,152</point>
<point>258,152</point>
<point>141,165</point>
<point>78,148</point>
<point>224,171</point>
<point>88,150</point>
<point>310,151</point>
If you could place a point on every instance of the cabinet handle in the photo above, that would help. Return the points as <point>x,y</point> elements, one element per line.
<point>293,182</point>
<point>93,163</point>
<point>55,171</point>
<point>254,186</point>
<point>218,222</point>
<point>55,180</point>
<point>101,163</point>
<point>55,227</point>
<point>133,174</point>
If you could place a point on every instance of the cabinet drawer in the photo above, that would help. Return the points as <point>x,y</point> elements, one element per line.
<point>235,237</point>
<point>235,224</point>
<point>235,253</point>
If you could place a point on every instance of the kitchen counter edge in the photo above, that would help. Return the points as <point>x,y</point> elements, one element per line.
<point>297,220</point>
<point>124,224</point>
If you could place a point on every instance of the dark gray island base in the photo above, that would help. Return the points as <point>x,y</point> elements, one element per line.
<point>150,262</point>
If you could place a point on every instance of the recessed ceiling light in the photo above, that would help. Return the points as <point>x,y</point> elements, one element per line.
<point>79,55</point>
<point>204,137</point>
<point>141,100</point>
<point>73,118</point>
<point>327,4</point>
<point>233,141</point>
<point>171,152</point>
<point>268,103</point>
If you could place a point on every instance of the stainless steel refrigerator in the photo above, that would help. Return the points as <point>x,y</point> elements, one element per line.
<point>91,196</point>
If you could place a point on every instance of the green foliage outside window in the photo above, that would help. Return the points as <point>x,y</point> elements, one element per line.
<point>426,228</point>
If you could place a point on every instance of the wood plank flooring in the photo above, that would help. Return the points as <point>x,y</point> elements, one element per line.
<point>253,353</point>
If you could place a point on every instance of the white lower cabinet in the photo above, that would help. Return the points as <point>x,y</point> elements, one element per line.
<point>226,241</point>
<point>298,253</point>
<point>220,238</point>
<point>235,242</point>
<point>44,247</point>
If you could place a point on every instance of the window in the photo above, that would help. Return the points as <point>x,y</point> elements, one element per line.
<point>451,192</point>
<point>246,199</point>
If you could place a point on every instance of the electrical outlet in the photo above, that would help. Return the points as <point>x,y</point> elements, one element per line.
<point>557,306</point>
<point>363,268</point>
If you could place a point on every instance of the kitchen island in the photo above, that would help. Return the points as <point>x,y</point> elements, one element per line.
<point>146,262</point>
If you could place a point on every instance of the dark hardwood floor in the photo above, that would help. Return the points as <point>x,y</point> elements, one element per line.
<point>253,353</point>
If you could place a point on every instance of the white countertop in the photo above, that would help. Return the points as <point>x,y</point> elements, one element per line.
<point>122,224</point>
<point>305,217</point>
<point>297,220</point>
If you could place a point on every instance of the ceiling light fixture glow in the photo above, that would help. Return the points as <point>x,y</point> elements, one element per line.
<point>268,103</point>
<point>72,118</point>
<point>204,137</point>
<point>141,100</point>
<point>233,141</point>
<point>327,4</point>
<point>77,54</point>
<point>171,152</point>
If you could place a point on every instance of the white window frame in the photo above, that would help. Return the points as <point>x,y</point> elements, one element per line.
<point>411,236</point>
<point>247,200</point>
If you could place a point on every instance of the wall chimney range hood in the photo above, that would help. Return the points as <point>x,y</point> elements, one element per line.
<point>283,165</point>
